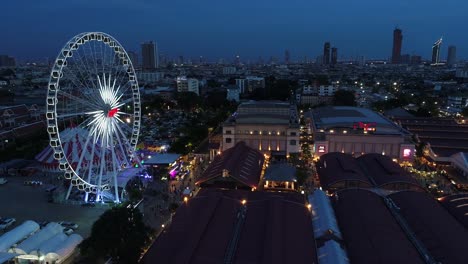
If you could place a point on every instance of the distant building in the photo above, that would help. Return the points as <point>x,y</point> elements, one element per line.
<point>268,126</point>
<point>334,56</point>
<point>185,84</point>
<point>358,131</point>
<point>133,58</point>
<point>7,61</point>
<point>405,59</point>
<point>415,59</point>
<point>149,77</point>
<point>233,94</point>
<point>452,55</point>
<point>287,57</point>
<point>148,54</point>
<point>229,70</point>
<point>250,84</point>
<point>313,95</point>
<point>397,43</point>
<point>458,101</point>
<point>436,52</point>
<point>326,53</point>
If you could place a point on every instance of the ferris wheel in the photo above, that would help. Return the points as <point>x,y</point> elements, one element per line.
<point>93,89</point>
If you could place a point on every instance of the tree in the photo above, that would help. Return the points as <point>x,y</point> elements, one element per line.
<point>465,112</point>
<point>344,98</point>
<point>120,234</point>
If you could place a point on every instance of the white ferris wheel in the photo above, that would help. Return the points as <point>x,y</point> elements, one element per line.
<point>93,89</point>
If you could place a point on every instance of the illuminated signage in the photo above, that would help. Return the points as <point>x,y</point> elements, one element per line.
<point>365,126</point>
<point>321,149</point>
<point>406,152</point>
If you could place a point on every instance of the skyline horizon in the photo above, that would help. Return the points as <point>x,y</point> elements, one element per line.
<point>213,29</point>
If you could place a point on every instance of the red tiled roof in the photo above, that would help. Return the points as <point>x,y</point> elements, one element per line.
<point>335,167</point>
<point>277,229</point>
<point>243,163</point>
<point>444,237</point>
<point>370,233</point>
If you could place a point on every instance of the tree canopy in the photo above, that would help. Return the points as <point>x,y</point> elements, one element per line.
<point>344,98</point>
<point>120,234</point>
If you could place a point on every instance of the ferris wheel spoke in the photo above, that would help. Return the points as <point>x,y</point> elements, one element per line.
<point>121,145</point>
<point>78,99</point>
<point>71,115</point>
<point>84,149</point>
<point>91,160</point>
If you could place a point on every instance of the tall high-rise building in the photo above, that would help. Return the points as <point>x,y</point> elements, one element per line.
<point>148,51</point>
<point>286,57</point>
<point>7,61</point>
<point>133,58</point>
<point>397,43</point>
<point>452,55</point>
<point>334,56</point>
<point>436,51</point>
<point>326,53</point>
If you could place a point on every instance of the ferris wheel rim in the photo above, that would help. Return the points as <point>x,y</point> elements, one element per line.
<point>56,75</point>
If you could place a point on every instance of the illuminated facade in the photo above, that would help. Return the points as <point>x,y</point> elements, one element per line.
<point>358,131</point>
<point>265,125</point>
<point>436,52</point>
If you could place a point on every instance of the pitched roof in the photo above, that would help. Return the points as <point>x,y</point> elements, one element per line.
<point>334,167</point>
<point>443,236</point>
<point>243,163</point>
<point>370,232</point>
<point>384,171</point>
<point>457,205</point>
<point>276,229</point>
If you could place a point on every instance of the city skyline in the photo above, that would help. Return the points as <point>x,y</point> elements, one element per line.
<point>224,30</point>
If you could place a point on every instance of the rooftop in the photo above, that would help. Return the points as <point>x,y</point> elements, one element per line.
<point>457,205</point>
<point>275,228</point>
<point>265,112</point>
<point>444,237</point>
<point>347,116</point>
<point>370,232</point>
<point>280,172</point>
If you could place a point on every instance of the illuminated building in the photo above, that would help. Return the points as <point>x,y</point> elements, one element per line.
<point>436,52</point>
<point>185,84</point>
<point>358,131</point>
<point>267,126</point>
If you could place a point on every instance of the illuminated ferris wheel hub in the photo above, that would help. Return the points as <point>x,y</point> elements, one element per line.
<point>90,83</point>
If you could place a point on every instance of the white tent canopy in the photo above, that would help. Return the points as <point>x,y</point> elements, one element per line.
<point>323,217</point>
<point>332,253</point>
<point>64,250</point>
<point>17,234</point>
<point>51,244</point>
<point>34,241</point>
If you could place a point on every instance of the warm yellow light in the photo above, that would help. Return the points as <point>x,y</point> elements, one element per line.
<point>244,202</point>
<point>309,206</point>
<point>185,199</point>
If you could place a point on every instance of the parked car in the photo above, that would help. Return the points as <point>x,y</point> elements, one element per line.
<point>3,181</point>
<point>68,231</point>
<point>6,222</point>
<point>68,224</point>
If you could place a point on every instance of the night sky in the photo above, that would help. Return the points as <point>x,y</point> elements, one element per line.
<point>35,29</point>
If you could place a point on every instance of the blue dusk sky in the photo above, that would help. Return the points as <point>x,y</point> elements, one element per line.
<point>36,29</point>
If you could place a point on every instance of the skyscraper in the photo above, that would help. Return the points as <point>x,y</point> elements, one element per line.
<point>286,57</point>
<point>436,51</point>
<point>397,43</point>
<point>148,55</point>
<point>326,53</point>
<point>452,55</point>
<point>334,56</point>
<point>133,58</point>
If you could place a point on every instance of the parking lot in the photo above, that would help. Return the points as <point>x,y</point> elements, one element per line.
<point>30,203</point>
